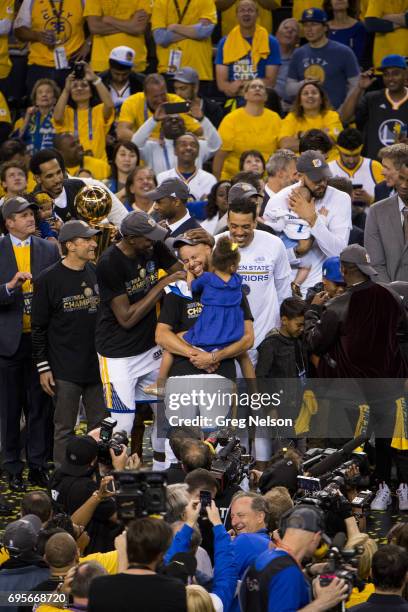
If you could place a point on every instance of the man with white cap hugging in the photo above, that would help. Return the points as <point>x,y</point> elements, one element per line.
<point>120,78</point>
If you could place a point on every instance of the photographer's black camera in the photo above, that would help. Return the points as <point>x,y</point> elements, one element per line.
<point>140,494</point>
<point>79,71</point>
<point>109,440</point>
<point>231,463</point>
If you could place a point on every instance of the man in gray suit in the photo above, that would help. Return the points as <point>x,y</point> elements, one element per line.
<point>386,232</point>
<point>22,257</point>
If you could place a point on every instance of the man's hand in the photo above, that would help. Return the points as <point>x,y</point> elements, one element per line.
<point>366,79</point>
<point>203,360</point>
<point>119,462</point>
<point>172,278</point>
<point>192,512</point>
<point>160,113</point>
<point>133,462</point>
<point>18,280</point>
<point>95,434</point>
<point>213,514</point>
<point>48,38</point>
<point>320,298</point>
<point>327,597</point>
<point>103,492</point>
<point>360,195</point>
<point>47,383</point>
<point>304,209</point>
<point>139,19</point>
<point>195,110</point>
<point>200,235</point>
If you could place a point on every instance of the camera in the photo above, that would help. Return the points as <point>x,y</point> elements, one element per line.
<point>78,70</point>
<point>140,494</point>
<point>109,440</point>
<point>231,464</point>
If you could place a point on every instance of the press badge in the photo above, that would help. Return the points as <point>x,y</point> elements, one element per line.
<point>174,60</point>
<point>60,58</point>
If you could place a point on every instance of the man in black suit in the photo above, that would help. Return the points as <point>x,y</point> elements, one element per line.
<point>22,257</point>
<point>171,199</point>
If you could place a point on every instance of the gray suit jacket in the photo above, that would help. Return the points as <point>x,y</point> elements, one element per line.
<point>384,241</point>
<point>43,254</point>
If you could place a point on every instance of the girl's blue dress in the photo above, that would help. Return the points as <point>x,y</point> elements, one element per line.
<point>221,321</point>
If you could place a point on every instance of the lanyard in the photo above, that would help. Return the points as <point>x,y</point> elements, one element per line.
<point>181,14</point>
<point>90,131</point>
<point>57,14</point>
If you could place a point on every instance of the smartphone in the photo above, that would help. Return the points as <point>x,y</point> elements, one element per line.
<point>205,500</point>
<point>175,108</point>
<point>357,186</point>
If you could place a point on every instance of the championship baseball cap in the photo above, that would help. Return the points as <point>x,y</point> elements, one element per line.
<point>79,454</point>
<point>307,518</point>
<point>314,165</point>
<point>331,270</point>
<point>123,55</point>
<point>314,14</point>
<point>76,229</point>
<point>170,188</point>
<point>187,75</point>
<point>242,190</point>
<point>21,535</point>
<point>393,61</point>
<point>16,205</point>
<point>356,254</point>
<point>139,223</point>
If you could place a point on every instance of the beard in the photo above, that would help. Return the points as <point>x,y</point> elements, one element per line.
<point>318,194</point>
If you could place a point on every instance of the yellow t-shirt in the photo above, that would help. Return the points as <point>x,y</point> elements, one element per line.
<point>71,34</point>
<point>90,126</point>
<point>301,5</point>
<point>357,598</point>
<point>4,110</point>
<point>229,18</point>
<point>240,131</point>
<point>103,45</point>
<point>22,255</point>
<point>328,122</point>
<point>108,560</point>
<point>194,53</point>
<point>390,42</point>
<point>135,111</point>
<point>100,169</point>
<point>6,12</point>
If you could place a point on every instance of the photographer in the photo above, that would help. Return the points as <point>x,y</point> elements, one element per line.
<point>282,585</point>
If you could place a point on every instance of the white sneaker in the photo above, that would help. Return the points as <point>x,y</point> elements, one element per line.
<point>383,498</point>
<point>402,493</point>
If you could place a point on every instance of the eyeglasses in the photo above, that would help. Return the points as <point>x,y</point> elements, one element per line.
<point>257,86</point>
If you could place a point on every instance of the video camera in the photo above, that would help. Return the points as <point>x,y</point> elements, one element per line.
<point>140,494</point>
<point>109,440</point>
<point>231,464</point>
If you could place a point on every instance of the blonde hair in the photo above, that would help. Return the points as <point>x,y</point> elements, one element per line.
<point>369,548</point>
<point>198,599</point>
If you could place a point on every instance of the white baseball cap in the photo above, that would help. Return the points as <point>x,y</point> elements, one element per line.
<point>123,55</point>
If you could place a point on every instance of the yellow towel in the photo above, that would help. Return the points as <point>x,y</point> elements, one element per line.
<point>363,419</point>
<point>399,439</point>
<point>308,409</point>
<point>236,47</point>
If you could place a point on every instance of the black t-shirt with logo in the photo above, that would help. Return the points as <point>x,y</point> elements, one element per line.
<point>121,275</point>
<point>64,313</point>
<point>379,121</point>
<point>181,314</point>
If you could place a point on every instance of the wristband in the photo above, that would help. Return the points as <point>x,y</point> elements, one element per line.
<point>97,81</point>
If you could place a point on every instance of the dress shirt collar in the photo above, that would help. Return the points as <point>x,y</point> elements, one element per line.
<point>174,226</point>
<point>17,242</point>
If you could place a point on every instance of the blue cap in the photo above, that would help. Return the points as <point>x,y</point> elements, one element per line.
<point>331,270</point>
<point>393,61</point>
<point>314,14</point>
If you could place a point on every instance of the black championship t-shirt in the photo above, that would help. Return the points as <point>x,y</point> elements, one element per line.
<point>65,304</point>
<point>121,275</point>
<point>181,314</point>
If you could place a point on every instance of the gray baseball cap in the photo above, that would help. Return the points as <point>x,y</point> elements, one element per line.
<point>187,75</point>
<point>76,229</point>
<point>356,254</point>
<point>314,165</point>
<point>242,190</point>
<point>16,205</point>
<point>139,223</point>
<point>170,188</point>
<point>21,535</point>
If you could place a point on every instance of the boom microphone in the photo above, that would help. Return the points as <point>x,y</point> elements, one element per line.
<point>336,459</point>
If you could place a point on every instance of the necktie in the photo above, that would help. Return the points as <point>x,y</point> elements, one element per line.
<point>405,223</point>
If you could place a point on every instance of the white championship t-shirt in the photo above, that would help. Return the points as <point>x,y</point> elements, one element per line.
<point>331,234</point>
<point>199,184</point>
<point>266,274</point>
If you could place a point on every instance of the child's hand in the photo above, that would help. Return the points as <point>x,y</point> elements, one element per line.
<point>323,211</point>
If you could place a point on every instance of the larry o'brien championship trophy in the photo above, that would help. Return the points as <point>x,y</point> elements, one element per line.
<point>93,204</point>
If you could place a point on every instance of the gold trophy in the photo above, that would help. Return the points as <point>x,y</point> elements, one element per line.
<point>93,203</point>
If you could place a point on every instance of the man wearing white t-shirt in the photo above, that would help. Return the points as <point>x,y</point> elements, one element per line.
<point>186,149</point>
<point>328,213</point>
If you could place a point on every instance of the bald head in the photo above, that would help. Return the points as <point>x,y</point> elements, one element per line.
<point>61,551</point>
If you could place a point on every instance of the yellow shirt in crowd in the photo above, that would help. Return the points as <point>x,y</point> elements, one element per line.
<point>90,126</point>
<point>38,15</point>
<point>103,45</point>
<point>229,17</point>
<point>23,259</point>
<point>194,53</point>
<point>358,597</point>
<point>135,111</point>
<point>6,12</point>
<point>4,110</point>
<point>99,169</point>
<point>328,122</point>
<point>239,131</point>
<point>390,42</point>
<point>301,5</point>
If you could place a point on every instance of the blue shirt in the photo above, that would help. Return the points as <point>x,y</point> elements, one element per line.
<point>243,68</point>
<point>288,590</point>
<point>354,37</point>
<point>332,65</point>
<point>39,134</point>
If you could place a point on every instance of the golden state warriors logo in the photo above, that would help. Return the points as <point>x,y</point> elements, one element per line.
<point>314,72</point>
<point>59,25</point>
